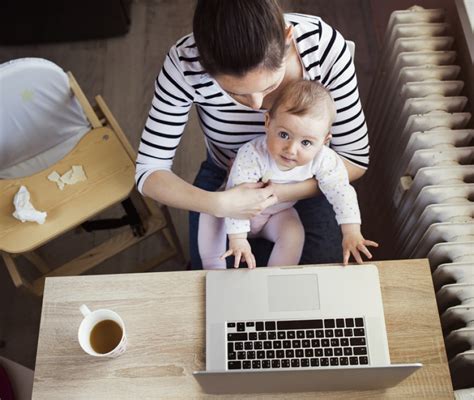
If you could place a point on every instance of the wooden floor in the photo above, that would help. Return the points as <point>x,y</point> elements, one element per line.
<point>123,70</point>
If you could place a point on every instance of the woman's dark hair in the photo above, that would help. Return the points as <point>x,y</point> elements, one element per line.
<point>235,36</point>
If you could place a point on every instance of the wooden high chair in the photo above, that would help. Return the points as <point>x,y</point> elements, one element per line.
<point>109,164</point>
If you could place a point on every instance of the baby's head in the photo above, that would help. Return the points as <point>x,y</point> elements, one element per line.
<point>298,123</point>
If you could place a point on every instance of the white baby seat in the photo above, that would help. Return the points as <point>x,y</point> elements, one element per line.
<point>40,118</point>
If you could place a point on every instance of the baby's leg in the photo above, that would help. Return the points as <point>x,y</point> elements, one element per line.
<point>211,241</point>
<point>286,231</point>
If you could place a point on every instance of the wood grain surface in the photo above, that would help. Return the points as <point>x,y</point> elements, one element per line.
<point>164,314</point>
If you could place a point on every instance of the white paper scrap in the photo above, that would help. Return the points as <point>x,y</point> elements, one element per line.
<point>74,175</point>
<point>55,177</point>
<point>24,210</point>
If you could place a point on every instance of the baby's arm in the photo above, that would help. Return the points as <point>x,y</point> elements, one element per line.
<point>247,167</point>
<point>353,242</point>
<point>240,248</point>
<point>334,183</point>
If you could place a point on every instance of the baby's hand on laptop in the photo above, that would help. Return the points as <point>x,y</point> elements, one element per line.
<point>240,248</point>
<point>354,243</point>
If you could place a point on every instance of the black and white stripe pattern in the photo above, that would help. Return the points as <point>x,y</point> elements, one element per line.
<point>226,124</point>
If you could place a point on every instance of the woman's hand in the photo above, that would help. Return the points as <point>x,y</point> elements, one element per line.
<point>240,248</point>
<point>353,243</point>
<point>245,201</point>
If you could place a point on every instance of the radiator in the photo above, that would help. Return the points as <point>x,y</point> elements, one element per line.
<point>422,152</point>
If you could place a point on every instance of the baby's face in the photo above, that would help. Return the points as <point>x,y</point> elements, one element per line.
<point>294,140</point>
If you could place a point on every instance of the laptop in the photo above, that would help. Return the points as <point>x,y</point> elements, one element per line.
<point>295,329</point>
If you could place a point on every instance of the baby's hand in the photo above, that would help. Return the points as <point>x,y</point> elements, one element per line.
<point>353,243</point>
<point>240,248</point>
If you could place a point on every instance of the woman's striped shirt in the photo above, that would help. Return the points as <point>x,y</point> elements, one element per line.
<point>227,124</point>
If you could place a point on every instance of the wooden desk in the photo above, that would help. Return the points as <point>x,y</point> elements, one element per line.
<point>164,315</point>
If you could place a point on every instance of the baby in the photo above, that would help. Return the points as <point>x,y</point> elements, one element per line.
<point>293,149</point>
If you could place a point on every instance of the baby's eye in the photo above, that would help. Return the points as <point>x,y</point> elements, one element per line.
<point>306,143</point>
<point>283,135</point>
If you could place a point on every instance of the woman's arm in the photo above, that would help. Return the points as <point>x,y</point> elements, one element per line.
<point>243,201</point>
<point>309,188</point>
<point>349,130</point>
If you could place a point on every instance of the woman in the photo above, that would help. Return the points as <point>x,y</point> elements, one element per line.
<point>239,55</point>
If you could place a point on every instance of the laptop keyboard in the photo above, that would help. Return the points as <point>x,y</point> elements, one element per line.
<point>296,343</point>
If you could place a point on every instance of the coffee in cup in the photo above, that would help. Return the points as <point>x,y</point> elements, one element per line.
<point>102,333</point>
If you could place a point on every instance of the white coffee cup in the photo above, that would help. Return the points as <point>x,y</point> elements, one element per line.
<point>91,319</point>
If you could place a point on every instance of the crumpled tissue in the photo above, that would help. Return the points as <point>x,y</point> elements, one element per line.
<point>24,210</point>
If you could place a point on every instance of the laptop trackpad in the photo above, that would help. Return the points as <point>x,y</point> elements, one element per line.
<point>293,292</point>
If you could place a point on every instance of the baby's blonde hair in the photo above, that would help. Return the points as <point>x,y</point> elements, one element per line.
<point>302,97</point>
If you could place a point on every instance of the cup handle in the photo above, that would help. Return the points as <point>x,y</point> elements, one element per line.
<point>85,310</point>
